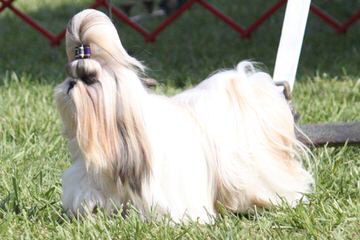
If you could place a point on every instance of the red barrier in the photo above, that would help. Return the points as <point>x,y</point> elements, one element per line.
<point>151,36</point>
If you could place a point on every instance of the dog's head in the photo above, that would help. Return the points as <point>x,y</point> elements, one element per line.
<point>94,99</point>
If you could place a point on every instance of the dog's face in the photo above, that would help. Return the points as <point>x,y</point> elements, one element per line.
<point>88,108</point>
<point>80,97</point>
<point>97,121</point>
<point>97,118</point>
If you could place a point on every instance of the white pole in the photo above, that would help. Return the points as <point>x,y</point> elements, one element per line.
<point>291,40</point>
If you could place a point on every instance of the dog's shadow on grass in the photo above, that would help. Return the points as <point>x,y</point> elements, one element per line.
<point>189,50</point>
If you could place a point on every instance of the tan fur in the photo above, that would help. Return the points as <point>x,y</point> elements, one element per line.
<point>230,140</point>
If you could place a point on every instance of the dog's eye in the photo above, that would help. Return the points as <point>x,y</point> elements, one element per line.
<point>90,79</point>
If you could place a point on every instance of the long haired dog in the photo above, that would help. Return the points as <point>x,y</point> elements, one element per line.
<point>229,141</point>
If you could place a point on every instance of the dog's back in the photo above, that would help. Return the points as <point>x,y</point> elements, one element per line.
<point>258,159</point>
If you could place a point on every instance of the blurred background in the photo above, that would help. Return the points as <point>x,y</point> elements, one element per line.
<point>191,48</point>
<point>33,153</point>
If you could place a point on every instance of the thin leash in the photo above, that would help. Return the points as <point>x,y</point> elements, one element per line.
<point>110,9</point>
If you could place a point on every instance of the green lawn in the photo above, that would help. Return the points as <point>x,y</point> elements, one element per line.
<point>33,154</point>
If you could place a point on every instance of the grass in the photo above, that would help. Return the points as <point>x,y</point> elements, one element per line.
<point>33,154</point>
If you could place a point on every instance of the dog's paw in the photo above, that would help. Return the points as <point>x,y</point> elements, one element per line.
<point>82,202</point>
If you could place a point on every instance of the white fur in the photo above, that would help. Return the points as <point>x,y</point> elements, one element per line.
<point>230,140</point>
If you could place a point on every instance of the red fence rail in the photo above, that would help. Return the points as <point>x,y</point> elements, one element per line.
<point>150,36</point>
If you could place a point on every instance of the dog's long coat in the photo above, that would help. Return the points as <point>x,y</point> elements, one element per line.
<point>230,140</point>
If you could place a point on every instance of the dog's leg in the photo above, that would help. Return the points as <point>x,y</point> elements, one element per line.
<point>80,192</point>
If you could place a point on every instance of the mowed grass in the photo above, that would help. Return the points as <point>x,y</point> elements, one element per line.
<point>33,153</point>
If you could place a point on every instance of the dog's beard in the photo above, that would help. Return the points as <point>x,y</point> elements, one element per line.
<point>98,120</point>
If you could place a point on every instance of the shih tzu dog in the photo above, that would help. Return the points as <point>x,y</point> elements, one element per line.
<point>230,140</point>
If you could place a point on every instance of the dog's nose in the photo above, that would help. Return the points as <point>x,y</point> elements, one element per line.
<point>71,85</point>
